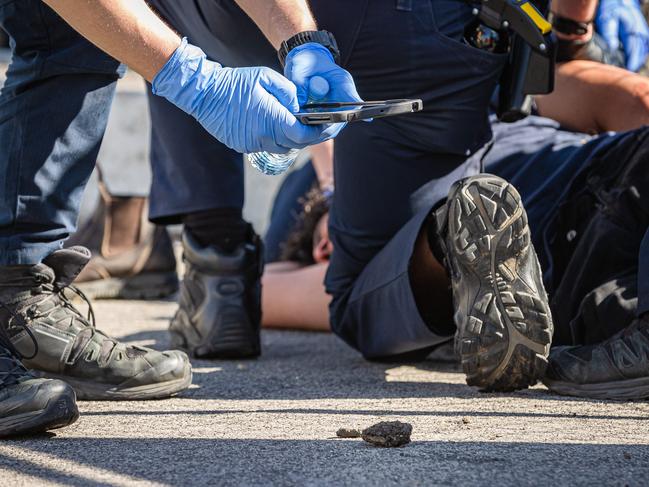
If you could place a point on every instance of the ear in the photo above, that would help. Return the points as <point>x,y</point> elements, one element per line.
<point>322,251</point>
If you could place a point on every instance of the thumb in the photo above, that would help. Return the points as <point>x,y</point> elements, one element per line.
<point>318,88</point>
<point>281,88</point>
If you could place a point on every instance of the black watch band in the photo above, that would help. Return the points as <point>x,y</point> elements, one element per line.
<point>323,37</point>
<point>570,27</point>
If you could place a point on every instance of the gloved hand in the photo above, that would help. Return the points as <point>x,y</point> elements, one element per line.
<point>623,21</point>
<point>248,109</point>
<point>306,66</point>
<point>312,60</point>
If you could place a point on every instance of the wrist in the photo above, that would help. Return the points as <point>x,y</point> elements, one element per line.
<point>571,29</point>
<point>311,46</point>
<point>577,10</point>
<point>179,73</point>
<point>321,38</point>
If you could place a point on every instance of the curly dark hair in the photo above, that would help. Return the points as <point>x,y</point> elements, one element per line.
<point>299,244</point>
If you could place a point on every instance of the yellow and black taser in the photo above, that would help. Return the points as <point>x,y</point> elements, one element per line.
<point>531,66</point>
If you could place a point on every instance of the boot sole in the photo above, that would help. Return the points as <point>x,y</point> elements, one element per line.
<point>96,391</point>
<point>59,413</point>
<point>230,344</point>
<point>505,331</point>
<point>624,390</point>
<point>155,285</point>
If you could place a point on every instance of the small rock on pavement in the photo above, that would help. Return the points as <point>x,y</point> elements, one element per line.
<point>348,433</point>
<point>388,434</point>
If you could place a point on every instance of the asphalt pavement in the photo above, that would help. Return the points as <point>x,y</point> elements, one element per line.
<point>272,421</point>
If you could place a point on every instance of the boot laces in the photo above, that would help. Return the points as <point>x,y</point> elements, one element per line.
<point>58,298</point>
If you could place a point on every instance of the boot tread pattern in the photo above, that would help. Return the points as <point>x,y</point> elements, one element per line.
<point>504,331</point>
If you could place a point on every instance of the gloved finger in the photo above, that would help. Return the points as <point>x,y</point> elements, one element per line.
<point>294,134</point>
<point>318,88</point>
<point>281,88</point>
<point>332,130</point>
<point>609,29</point>
<point>343,88</point>
<point>636,51</point>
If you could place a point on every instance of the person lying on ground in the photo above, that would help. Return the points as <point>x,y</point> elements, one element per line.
<point>584,195</point>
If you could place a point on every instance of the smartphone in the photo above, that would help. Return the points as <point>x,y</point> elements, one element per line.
<point>336,112</point>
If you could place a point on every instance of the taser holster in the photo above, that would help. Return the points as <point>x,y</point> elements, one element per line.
<point>530,68</point>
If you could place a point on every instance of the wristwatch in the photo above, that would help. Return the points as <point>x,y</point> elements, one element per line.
<point>323,37</point>
<point>569,27</point>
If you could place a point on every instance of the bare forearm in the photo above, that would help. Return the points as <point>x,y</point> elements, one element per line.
<point>579,10</point>
<point>279,20</point>
<point>586,90</point>
<point>322,156</point>
<point>296,299</point>
<point>128,30</point>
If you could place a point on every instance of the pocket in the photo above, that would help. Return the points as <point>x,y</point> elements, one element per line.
<point>450,18</point>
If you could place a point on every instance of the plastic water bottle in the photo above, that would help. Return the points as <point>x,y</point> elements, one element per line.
<point>275,164</point>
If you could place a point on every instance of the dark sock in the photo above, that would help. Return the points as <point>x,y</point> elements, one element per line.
<point>223,228</point>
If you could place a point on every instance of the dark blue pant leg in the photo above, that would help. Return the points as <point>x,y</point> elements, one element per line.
<point>53,112</point>
<point>192,171</point>
<point>399,49</point>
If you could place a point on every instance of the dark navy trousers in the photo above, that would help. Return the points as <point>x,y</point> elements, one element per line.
<point>587,201</point>
<point>53,112</point>
<point>191,170</point>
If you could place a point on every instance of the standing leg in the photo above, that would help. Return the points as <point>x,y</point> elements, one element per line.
<point>53,112</point>
<point>199,182</point>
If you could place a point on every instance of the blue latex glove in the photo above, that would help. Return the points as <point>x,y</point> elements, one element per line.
<point>248,109</point>
<point>313,59</point>
<point>623,21</point>
<point>311,63</point>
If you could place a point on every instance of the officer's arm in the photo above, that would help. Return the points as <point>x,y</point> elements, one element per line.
<point>128,30</point>
<point>279,20</point>
<point>248,109</point>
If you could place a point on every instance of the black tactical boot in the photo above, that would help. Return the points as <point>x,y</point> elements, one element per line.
<point>504,325</point>
<point>70,347</point>
<point>219,313</point>
<point>617,368</point>
<point>29,405</point>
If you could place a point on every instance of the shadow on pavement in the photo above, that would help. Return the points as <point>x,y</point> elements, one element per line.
<point>304,365</point>
<point>398,413</point>
<point>176,461</point>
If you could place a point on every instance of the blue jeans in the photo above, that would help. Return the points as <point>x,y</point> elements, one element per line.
<point>54,108</point>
